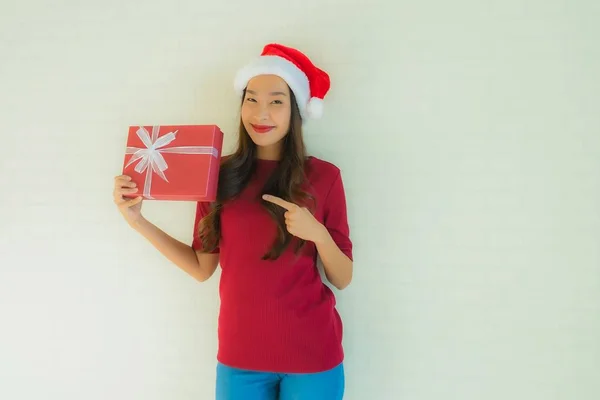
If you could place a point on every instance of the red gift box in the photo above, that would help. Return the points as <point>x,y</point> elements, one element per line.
<point>174,162</point>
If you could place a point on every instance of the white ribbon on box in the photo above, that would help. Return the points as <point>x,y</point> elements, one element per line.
<point>151,159</point>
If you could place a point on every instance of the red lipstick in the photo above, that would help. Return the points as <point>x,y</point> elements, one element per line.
<point>262,128</point>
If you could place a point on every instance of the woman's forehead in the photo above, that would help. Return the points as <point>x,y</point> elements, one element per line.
<point>267,83</point>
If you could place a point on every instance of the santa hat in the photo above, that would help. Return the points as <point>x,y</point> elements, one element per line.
<point>309,83</point>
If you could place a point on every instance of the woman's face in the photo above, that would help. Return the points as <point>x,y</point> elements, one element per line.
<point>266,112</point>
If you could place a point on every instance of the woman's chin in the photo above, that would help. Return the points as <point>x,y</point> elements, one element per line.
<point>263,139</point>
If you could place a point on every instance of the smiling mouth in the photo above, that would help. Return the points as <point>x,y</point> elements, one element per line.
<point>262,128</point>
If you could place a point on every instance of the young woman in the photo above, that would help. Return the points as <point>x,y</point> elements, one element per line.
<point>277,209</point>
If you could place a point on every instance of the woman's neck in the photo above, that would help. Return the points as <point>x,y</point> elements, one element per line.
<point>271,153</point>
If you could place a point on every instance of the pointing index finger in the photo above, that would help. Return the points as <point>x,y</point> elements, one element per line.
<point>279,201</point>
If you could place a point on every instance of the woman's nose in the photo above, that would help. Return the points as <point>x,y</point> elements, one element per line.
<point>263,113</point>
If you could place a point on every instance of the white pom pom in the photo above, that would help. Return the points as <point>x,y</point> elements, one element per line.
<point>314,107</point>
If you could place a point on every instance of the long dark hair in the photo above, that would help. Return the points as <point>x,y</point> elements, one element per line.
<point>287,182</point>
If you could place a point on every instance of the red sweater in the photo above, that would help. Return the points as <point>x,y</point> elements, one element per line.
<point>278,315</point>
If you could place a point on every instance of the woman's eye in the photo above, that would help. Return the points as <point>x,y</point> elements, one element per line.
<point>277,102</point>
<point>249,99</point>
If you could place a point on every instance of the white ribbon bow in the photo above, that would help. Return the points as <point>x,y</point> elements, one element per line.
<point>152,159</point>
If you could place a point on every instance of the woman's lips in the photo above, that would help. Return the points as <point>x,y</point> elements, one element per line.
<point>262,128</point>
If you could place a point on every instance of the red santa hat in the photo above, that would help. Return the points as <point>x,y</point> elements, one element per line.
<point>309,83</point>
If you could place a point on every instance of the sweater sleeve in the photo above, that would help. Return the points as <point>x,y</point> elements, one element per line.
<point>202,209</point>
<point>335,216</point>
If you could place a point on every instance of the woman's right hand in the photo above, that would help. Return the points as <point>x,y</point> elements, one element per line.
<point>130,208</point>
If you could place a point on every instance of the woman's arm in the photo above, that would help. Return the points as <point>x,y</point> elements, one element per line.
<point>338,266</point>
<point>199,265</point>
<point>301,223</point>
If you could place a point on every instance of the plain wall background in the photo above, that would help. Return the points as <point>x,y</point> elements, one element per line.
<point>468,135</point>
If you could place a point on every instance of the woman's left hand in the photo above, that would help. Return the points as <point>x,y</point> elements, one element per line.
<point>299,220</point>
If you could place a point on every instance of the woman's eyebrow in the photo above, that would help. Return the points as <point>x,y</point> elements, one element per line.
<point>272,93</point>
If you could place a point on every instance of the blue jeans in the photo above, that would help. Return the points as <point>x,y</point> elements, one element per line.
<point>238,384</point>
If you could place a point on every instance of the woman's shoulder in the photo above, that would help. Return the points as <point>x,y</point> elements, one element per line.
<point>321,167</point>
<point>322,174</point>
